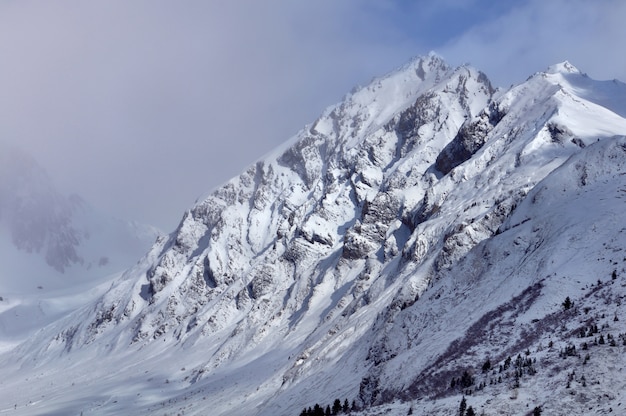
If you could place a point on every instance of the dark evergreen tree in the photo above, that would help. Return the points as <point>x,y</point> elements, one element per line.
<point>466,380</point>
<point>567,303</point>
<point>486,366</point>
<point>462,406</point>
<point>346,406</point>
<point>336,407</point>
<point>328,411</point>
<point>537,411</point>
<point>470,411</point>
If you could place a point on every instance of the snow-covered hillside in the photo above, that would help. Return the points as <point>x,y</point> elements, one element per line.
<point>424,227</point>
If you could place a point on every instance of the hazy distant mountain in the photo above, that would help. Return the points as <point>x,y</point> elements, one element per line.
<point>52,245</point>
<point>41,227</point>
<point>394,253</point>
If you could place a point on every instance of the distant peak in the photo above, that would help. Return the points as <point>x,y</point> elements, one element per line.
<point>430,57</point>
<point>427,64</point>
<point>563,68</point>
<point>434,56</point>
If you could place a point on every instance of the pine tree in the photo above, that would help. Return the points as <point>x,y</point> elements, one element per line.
<point>537,411</point>
<point>466,380</point>
<point>328,412</point>
<point>486,366</point>
<point>470,411</point>
<point>336,406</point>
<point>346,406</point>
<point>462,406</point>
<point>567,303</point>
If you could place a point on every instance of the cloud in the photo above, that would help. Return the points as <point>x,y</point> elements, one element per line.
<point>142,106</point>
<point>536,34</point>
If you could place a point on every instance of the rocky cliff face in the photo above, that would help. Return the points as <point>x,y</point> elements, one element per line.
<point>344,194</point>
<point>382,251</point>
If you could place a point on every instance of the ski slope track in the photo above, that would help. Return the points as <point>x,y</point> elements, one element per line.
<point>428,238</point>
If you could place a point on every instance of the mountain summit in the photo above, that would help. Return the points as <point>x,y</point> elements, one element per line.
<point>428,238</point>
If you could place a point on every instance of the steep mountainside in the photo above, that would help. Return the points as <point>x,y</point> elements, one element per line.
<point>427,225</point>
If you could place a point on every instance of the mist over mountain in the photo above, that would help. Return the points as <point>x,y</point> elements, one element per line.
<point>44,229</point>
<point>428,239</point>
<point>51,244</point>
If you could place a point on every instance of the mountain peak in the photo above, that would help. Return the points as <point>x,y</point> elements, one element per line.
<point>425,223</point>
<point>563,68</point>
<point>425,65</point>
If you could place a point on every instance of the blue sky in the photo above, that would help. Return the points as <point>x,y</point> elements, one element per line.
<point>142,106</point>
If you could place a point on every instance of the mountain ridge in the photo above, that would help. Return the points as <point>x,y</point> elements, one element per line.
<point>345,249</point>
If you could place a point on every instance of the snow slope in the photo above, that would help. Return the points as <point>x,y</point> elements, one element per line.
<point>426,224</point>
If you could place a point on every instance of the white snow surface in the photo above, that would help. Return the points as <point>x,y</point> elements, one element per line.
<point>424,225</point>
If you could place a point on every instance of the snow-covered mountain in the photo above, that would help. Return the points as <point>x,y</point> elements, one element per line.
<point>395,253</point>
<point>50,243</point>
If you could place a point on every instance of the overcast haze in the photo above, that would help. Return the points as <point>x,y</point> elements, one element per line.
<point>142,106</point>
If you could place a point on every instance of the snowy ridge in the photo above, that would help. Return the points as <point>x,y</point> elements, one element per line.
<point>366,259</point>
